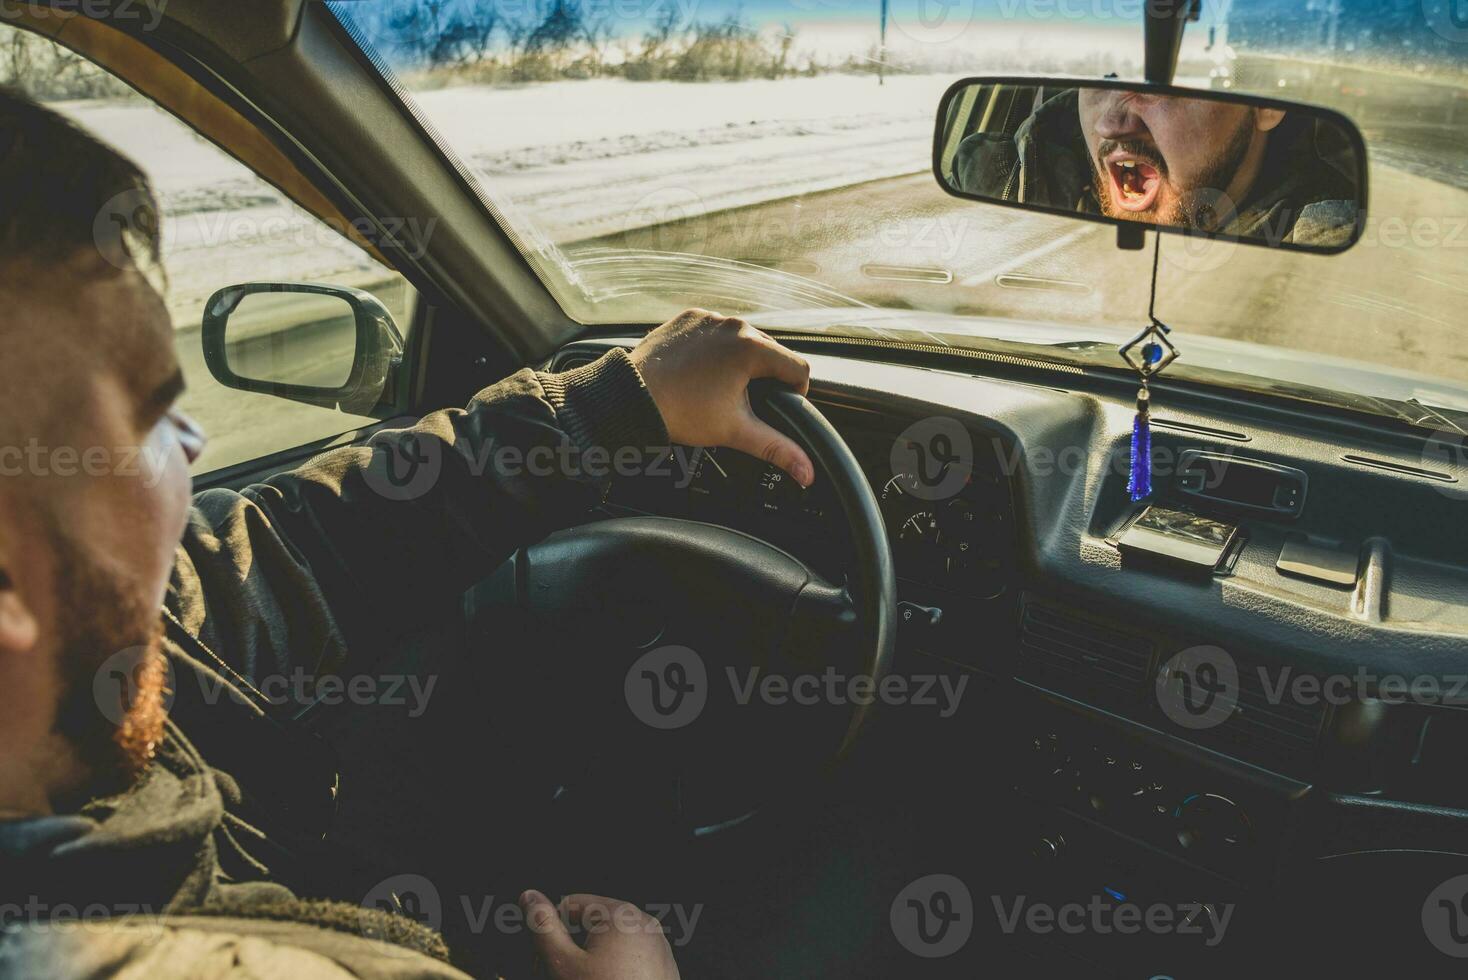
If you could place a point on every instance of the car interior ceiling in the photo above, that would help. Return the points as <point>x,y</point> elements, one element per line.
<point>1059,776</point>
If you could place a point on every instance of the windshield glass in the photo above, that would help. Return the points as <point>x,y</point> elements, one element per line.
<point>773,159</point>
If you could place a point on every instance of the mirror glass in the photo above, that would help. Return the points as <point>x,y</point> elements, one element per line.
<point>1276,174</point>
<point>293,338</point>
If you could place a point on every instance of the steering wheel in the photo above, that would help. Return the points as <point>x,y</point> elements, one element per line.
<point>727,661</point>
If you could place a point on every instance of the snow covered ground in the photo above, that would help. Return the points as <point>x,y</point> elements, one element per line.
<point>565,161</point>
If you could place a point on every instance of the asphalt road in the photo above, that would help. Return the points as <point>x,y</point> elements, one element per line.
<point>1394,299</point>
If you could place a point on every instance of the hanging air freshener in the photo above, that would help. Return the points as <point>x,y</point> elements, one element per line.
<point>1147,353</point>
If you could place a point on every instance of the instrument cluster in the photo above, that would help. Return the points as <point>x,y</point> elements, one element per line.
<point>958,541</point>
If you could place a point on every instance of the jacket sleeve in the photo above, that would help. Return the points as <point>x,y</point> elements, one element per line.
<point>290,574</point>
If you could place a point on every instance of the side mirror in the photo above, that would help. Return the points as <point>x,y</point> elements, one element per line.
<point>331,346</point>
<point>1208,163</point>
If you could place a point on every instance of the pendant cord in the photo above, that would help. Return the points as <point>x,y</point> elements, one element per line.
<point>1156,254</point>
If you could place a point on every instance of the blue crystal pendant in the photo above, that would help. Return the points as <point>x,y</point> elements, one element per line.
<point>1147,353</point>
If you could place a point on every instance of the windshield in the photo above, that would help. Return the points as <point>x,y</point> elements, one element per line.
<point>773,159</point>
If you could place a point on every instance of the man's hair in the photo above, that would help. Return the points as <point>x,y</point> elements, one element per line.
<point>63,193</point>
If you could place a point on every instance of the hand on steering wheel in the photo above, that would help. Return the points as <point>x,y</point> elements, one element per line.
<point>698,367</point>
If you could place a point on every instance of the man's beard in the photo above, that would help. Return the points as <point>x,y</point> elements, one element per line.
<point>1202,206</point>
<point>104,626</point>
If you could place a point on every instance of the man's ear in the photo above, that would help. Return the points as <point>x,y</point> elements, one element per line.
<point>18,627</point>
<point>1267,119</point>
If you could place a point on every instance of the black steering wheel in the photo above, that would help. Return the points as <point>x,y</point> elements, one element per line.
<point>728,661</point>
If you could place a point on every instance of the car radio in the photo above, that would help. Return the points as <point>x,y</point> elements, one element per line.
<point>1250,484</point>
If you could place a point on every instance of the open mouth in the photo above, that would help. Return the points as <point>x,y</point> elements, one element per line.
<point>1134,181</point>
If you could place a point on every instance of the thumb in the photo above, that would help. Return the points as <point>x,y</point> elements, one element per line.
<point>769,444</point>
<point>549,934</point>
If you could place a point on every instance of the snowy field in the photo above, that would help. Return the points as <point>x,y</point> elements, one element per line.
<point>566,161</point>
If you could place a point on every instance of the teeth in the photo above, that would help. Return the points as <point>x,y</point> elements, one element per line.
<point>1129,164</point>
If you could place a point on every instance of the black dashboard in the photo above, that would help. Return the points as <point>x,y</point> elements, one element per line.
<point>1350,561</point>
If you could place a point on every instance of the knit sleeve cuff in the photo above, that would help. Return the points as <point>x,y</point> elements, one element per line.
<point>606,404</point>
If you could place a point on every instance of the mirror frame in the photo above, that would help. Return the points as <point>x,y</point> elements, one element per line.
<point>1353,132</point>
<point>378,349</point>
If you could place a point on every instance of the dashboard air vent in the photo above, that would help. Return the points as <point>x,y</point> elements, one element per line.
<point>1265,728</point>
<point>1078,657</point>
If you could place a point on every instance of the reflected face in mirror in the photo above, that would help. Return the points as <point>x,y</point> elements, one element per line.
<point>1266,172</point>
<point>1172,161</point>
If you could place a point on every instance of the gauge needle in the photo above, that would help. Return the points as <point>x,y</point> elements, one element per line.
<point>708,454</point>
<point>913,522</point>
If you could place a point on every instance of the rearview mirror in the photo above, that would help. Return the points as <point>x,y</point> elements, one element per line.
<point>332,346</point>
<point>1215,164</point>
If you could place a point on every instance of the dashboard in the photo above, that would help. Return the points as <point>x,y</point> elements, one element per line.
<point>1350,560</point>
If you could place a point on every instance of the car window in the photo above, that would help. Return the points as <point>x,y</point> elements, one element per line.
<point>222,224</point>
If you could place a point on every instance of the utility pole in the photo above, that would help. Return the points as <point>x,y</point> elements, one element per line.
<point>882,47</point>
